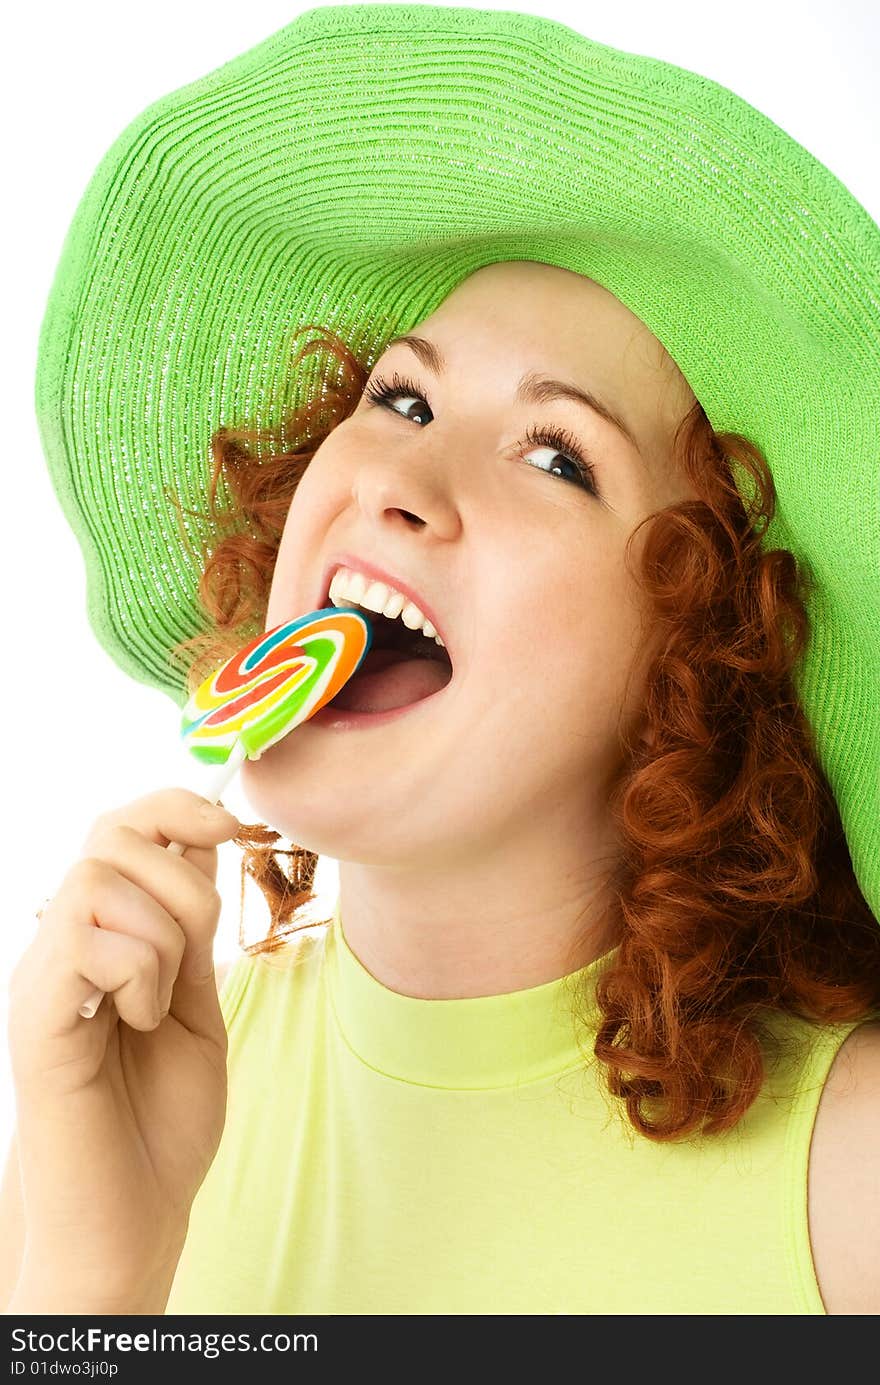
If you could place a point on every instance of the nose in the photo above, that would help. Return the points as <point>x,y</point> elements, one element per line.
<point>411,491</point>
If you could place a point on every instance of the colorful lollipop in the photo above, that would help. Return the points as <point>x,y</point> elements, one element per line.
<point>275,683</point>
<point>272,685</point>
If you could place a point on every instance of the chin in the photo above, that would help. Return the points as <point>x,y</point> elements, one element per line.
<point>309,818</point>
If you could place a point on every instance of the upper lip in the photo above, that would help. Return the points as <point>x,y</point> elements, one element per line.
<point>378,574</point>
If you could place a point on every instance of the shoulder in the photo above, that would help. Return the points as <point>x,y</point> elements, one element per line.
<point>844,1186</point>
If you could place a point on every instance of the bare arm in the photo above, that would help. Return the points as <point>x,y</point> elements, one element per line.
<point>845,1178</point>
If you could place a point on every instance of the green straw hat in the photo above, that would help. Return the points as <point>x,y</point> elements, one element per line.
<point>351,170</point>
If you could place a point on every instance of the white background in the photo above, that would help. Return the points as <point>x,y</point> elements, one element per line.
<point>74,76</point>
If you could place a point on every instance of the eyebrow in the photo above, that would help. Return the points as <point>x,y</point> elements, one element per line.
<point>532,388</point>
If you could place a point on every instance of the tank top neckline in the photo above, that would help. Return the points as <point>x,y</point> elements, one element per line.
<point>474,1042</point>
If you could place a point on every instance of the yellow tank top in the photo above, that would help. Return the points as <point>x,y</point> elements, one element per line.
<point>384,1154</point>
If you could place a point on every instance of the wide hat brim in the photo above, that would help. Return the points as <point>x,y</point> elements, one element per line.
<point>351,170</point>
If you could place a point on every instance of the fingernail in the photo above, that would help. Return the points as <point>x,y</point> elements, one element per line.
<point>215,812</point>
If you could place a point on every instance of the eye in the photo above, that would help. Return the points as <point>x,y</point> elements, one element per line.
<point>564,445</point>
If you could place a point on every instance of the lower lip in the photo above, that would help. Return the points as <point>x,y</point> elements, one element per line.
<point>335,719</point>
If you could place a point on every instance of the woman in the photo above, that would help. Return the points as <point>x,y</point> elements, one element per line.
<point>601,945</point>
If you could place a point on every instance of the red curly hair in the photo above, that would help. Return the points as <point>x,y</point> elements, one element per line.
<point>734,891</point>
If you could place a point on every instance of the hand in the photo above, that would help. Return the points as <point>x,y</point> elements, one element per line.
<point>119,1116</point>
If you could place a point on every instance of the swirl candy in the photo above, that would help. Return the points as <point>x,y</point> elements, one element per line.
<point>273,684</point>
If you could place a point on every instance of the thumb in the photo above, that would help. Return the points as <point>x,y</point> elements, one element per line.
<point>195,998</point>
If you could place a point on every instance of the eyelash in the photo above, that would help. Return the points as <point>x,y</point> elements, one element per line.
<point>379,391</point>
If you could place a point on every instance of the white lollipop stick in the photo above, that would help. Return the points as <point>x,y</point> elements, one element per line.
<point>221,778</point>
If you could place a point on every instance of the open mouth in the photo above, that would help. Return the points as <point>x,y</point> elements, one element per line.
<point>402,667</point>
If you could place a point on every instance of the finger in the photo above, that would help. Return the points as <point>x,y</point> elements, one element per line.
<point>96,898</point>
<point>185,893</point>
<point>50,983</point>
<point>123,966</point>
<point>169,815</point>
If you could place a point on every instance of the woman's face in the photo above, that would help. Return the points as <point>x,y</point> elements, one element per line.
<point>518,557</point>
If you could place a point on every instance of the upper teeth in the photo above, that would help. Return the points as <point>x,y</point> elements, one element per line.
<point>352,588</point>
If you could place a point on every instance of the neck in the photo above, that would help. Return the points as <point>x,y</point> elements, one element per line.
<point>473,931</point>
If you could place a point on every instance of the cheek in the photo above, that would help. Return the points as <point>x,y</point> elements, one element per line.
<point>576,642</point>
<point>282,585</point>
<point>299,557</point>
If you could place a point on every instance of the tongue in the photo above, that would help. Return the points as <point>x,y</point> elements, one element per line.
<point>389,678</point>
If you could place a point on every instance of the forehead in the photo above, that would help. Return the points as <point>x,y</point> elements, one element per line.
<point>519,316</point>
